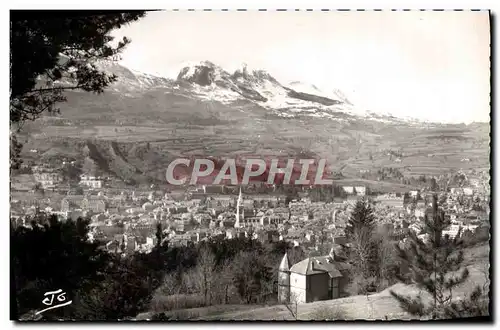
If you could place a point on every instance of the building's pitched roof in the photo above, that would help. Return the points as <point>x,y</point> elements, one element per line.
<point>318,265</point>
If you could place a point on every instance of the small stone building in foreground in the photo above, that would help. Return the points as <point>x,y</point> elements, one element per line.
<point>312,279</point>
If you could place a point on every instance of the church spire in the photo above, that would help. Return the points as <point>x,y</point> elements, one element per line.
<point>239,203</point>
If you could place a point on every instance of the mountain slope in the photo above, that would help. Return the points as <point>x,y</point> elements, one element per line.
<point>209,111</point>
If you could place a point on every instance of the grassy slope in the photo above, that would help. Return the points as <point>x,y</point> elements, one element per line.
<point>376,306</point>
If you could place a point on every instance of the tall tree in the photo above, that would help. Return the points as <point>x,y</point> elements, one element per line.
<point>433,184</point>
<point>363,248</point>
<point>159,234</point>
<point>125,291</point>
<point>250,274</point>
<point>15,151</point>
<point>361,221</point>
<point>55,45</point>
<point>204,273</point>
<point>53,255</point>
<point>433,264</point>
<point>47,47</point>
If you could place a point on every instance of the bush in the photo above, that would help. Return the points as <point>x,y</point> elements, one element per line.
<point>177,301</point>
<point>328,313</point>
<point>183,315</point>
<point>361,285</point>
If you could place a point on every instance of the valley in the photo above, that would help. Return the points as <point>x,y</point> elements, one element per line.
<point>183,118</point>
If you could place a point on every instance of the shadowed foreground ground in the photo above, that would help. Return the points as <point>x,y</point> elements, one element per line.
<point>379,306</point>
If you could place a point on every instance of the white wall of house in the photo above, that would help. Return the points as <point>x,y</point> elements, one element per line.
<point>298,286</point>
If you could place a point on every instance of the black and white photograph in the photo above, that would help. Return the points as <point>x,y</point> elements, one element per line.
<point>250,165</point>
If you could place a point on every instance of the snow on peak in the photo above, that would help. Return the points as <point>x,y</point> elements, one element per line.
<point>258,86</point>
<point>300,86</point>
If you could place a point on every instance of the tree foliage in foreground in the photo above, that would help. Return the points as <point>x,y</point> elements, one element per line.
<point>50,47</point>
<point>436,266</point>
<point>363,250</point>
<point>47,47</point>
<point>54,255</point>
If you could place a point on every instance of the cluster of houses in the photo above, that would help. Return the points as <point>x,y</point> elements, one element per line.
<point>47,177</point>
<point>127,221</point>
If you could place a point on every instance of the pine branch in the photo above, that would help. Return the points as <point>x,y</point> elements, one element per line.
<point>431,262</point>
<point>414,306</point>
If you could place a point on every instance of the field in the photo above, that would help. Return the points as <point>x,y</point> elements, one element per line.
<point>173,125</point>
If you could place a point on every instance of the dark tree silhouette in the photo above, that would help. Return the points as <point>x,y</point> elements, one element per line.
<point>250,273</point>
<point>125,291</point>
<point>58,255</point>
<point>53,255</point>
<point>361,221</point>
<point>15,150</point>
<point>47,47</point>
<point>363,250</point>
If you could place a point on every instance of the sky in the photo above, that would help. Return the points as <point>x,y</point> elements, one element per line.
<point>427,65</point>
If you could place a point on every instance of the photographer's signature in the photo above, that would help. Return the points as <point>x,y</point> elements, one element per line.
<point>49,300</point>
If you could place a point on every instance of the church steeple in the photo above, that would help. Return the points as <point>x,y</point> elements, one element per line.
<point>239,204</point>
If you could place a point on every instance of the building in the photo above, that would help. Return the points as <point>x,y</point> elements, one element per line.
<point>91,181</point>
<point>271,219</point>
<point>95,204</point>
<point>360,190</point>
<point>264,200</point>
<point>131,244</point>
<point>213,189</point>
<point>391,200</point>
<point>48,180</point>
<point>71,202</point>
<point>219,201</point>
<point>348,189</point>
<point>73,214</point>
<point>284,280</point>
<point>468,191</point>
<point>452,230</point>
<point>312,279</point>
<point>350,201</point>
<point>240,213</point>
<point>419,212</point>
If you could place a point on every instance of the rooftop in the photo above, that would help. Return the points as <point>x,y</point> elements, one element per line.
<point>319,265</point>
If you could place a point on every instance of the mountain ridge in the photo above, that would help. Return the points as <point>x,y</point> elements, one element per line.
<point>208,81</point>
<point>180,118</point>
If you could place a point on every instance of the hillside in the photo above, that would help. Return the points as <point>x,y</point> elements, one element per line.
<point>209,111</point>
<point>375,307</point>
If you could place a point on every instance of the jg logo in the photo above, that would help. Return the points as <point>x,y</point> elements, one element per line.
<point>54,299</point>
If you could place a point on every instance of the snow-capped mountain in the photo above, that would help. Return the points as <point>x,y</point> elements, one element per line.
<point>337,94</point>
<point>132,80</point>
<point>207,110</point>
<point>210,81</point>
<point>207,81</point>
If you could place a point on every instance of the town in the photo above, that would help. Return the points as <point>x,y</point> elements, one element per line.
<point>125,220</point>
<point>296,166</point>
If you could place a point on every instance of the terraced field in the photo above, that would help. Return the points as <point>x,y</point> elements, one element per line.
<point>178,125</point>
